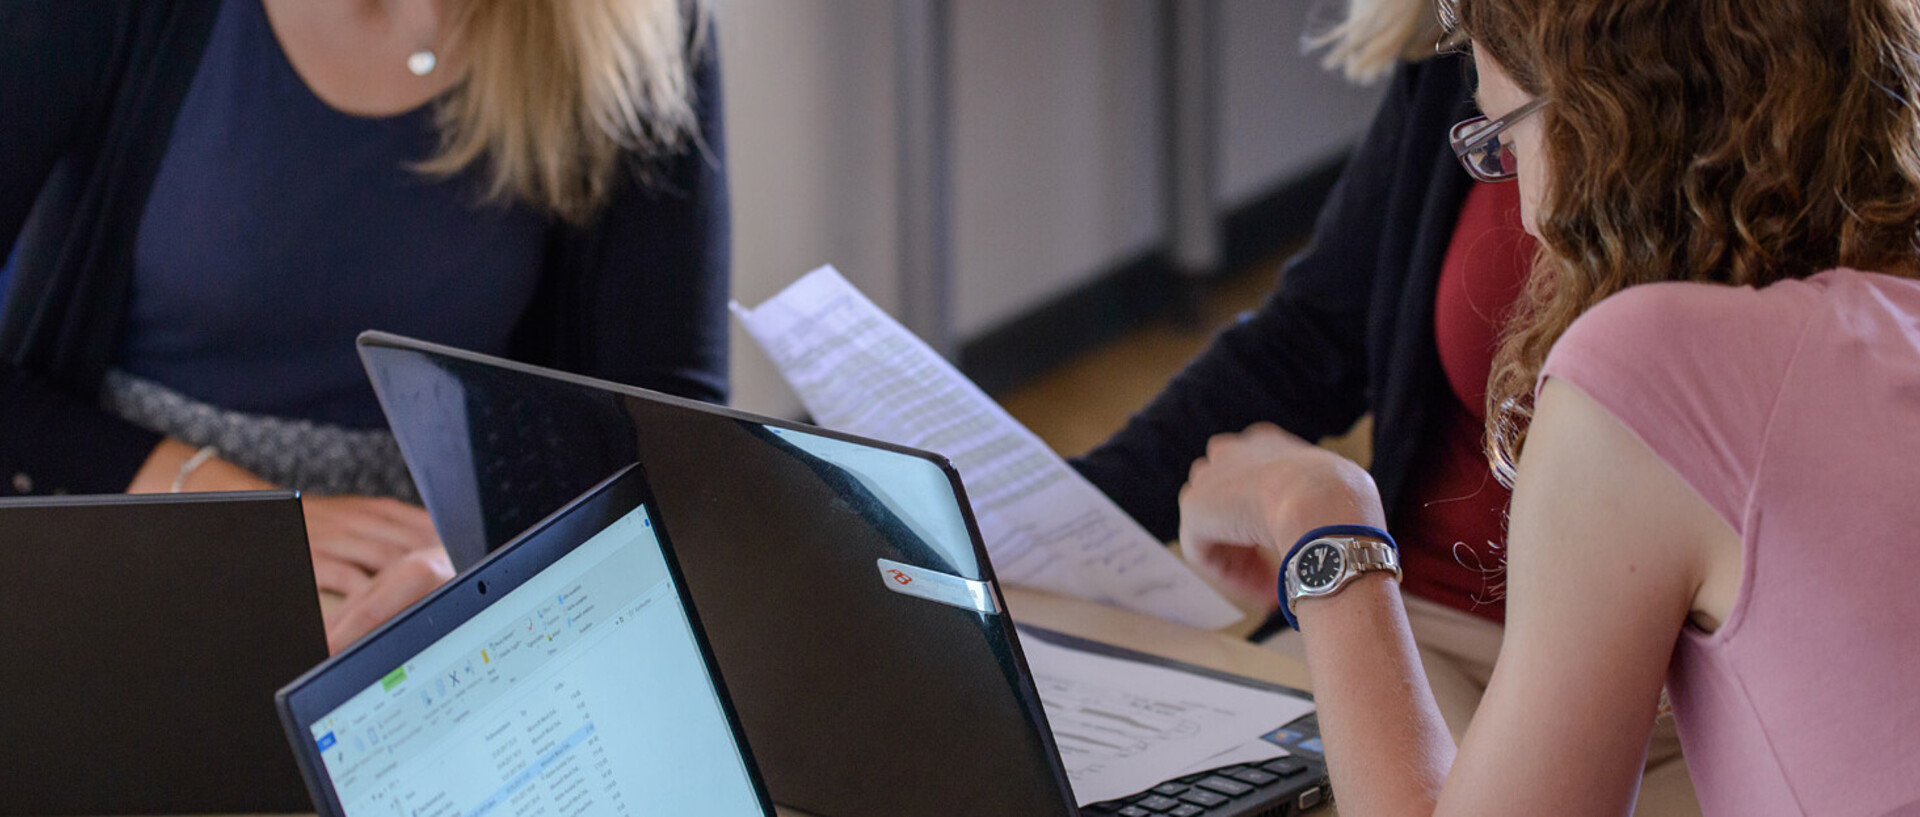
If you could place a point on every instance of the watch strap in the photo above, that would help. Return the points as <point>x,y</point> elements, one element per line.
<point>1374,556</point>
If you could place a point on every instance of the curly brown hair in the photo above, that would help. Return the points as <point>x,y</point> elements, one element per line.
<point>1727,142</point>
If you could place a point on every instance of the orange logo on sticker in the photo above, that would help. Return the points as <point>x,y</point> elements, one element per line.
<point>900,577</point>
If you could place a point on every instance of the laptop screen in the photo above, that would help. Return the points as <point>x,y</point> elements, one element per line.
<point>839,582</point>
<point>581,691</point>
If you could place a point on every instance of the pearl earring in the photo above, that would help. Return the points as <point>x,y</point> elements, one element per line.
<point>422,62</point>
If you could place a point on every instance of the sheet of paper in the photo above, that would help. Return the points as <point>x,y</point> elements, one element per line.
<point>1254,751</point>
<point>1124,727</point>
<point>859,371</point>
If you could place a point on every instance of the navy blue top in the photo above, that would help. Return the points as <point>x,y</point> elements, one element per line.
<point>278,228</point>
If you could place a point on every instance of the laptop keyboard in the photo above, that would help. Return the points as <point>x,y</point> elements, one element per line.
<point>1274,788</point>
<point>1221,791</point>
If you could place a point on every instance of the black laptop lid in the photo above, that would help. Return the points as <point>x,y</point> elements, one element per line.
<point>848,600</point>
<point>566,674</point>
<point>143,638</point>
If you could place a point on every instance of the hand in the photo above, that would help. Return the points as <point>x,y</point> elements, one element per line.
<point>1254,494</point>
<point>392,589</point>
<point>354,538</point>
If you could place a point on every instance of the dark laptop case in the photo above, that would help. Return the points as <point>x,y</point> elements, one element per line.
<point>141,641</point>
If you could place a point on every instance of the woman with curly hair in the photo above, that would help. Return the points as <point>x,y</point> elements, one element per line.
<point>1706,405</point>
<point>1393,311</point>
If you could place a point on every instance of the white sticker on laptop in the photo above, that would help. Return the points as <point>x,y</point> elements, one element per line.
<point>933,585</point>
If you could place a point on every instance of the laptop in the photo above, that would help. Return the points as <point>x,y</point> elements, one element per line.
<point>859,697</point>
<point>567,673</point>
<point>143,639</point>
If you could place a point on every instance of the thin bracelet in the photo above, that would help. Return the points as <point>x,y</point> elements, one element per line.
<point>198,459</point>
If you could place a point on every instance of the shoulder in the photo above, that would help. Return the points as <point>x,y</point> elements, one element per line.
<point>1712,334</point>
<point>1681,325</point>
<point>1693,370</point>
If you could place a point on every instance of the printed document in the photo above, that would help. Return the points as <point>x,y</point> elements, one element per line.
<point>859,371</point>
<point>1123,726</point>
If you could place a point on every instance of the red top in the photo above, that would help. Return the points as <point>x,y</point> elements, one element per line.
<point>1452,524</point>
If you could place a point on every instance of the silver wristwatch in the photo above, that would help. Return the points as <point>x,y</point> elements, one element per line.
<point>1324,565</point>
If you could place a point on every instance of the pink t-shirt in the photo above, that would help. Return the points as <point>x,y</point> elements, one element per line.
<point>1795,412</point>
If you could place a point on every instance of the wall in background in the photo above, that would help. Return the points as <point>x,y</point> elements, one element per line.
<point>810,141</point>
<point>1057,169</point>
<point>1279,109</point>
<point>1057,172</point>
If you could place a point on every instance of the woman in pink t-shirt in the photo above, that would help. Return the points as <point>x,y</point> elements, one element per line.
<point>1718,494</point>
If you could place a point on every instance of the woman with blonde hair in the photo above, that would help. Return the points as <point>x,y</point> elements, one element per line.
<point>211,199</point>
<point>1393,311</point>
<point>1710,390</point>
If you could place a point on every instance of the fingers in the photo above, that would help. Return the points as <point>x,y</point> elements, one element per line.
<point>1220,445</point>
<point>353,548</point>
<point>1260,440</point>
<point>368,532</point>
<point>387,521</point>
<point>391,591</point>
<point>335,576</point>
<point>381,554</point>
<point>1263,485</point>
<point>410,524</point>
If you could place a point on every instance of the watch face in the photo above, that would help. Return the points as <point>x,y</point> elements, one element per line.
<point>1319,565</point>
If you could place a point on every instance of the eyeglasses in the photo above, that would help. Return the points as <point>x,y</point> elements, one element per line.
<point>1477,141</point>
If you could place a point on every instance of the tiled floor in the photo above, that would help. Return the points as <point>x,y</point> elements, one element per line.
<point>1082,403</point>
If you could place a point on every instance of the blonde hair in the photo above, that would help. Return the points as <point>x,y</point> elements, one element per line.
<point>559,97</point>
<point>1373,35</point>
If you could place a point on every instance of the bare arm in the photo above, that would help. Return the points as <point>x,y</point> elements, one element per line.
<point>1608,550</point>
<point>1388,750</point>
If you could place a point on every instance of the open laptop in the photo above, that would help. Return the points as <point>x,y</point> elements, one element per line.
<point>859,697</point>
<point>565,674</point>
<point>141,640</point>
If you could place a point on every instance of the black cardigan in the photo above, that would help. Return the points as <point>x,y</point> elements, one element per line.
<point>1350,329</point>
<point>88,93</point>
